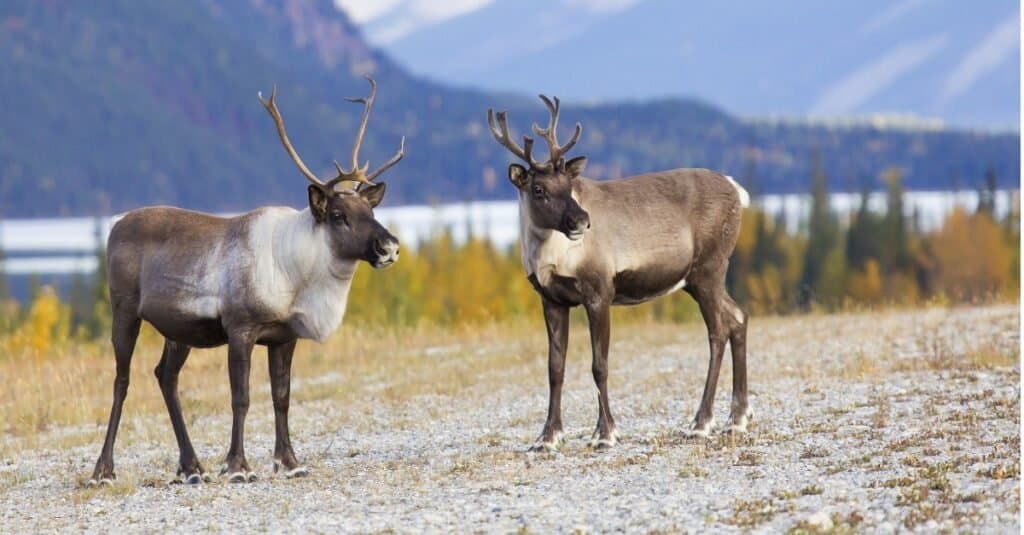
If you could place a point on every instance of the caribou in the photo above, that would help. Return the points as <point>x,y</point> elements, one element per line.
<point>624,242</point>
<point>267,277</point>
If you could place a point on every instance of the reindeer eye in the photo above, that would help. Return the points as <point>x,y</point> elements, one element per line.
<point>538,191</point>
<point>338,217</point>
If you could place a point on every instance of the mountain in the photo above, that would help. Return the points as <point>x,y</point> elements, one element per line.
<point>948,59</point>
<point>113,104</point>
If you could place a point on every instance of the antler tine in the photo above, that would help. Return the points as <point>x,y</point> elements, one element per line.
<point>394,159</point>
<point>550,134</point>
<point>367,106</point>
<point>552,121</point>
<point>502,134</point>
<point>490,124</point>
<point>528,149</point>
<point>357,176</point>
<point>275,114</point>
<point>572,141</point>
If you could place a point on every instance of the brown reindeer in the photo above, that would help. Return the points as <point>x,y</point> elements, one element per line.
<point>267,277</point>
<point>624,242</point>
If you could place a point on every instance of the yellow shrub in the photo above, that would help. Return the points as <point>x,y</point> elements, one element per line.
<point>972,258</point>
<point>866,286</point>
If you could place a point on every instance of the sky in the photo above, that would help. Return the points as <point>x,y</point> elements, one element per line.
<point>419,14</point>
<point>954,61</point>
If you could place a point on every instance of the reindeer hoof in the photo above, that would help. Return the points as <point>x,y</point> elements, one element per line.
<point>191,473</point>
<point>601,444</point>
<point>549,445</point>
<point>290,473</point>
<point>699,431</point>
<point>242,477</point>
<point>298,471</point>
<point>191,479</point>
<point>739,425</point>
<point>542,447</point>
<point>197,478</point>
<point>101,482</point>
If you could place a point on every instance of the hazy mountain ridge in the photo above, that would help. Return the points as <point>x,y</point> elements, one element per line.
<point>111,105</point>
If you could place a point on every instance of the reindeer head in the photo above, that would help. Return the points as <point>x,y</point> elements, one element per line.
<point>548,188</point>
<point>347,213</point>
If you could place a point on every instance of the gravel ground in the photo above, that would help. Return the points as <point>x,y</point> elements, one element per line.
<point>861,423</point>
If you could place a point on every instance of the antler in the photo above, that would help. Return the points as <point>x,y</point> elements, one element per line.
<point>275,114</point>
<point>356,174</point>
<point>505,138</point>
<point>387,165</point>
<point>555,152</point>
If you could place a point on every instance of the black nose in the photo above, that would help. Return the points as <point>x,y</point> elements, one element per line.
<point>579,222</point>
<point>385,246</point>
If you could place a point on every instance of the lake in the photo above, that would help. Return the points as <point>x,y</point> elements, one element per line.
<point>67,245</point>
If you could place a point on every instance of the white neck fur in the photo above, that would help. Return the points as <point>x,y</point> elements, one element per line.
<point>295,273</point>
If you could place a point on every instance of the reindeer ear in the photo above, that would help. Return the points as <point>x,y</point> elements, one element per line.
<point>517,175</point>
<point>318,203</point>
<point>373,193</point>
<point>575,166</point>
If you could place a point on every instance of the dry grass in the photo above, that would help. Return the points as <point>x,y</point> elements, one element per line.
<point>750,513</point>
<point>939,357</point>
<point>71,390</point>
<point>74,388</point>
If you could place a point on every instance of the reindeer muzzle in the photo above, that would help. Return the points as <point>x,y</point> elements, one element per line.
<point>576,224</point>
<point>385,251</point>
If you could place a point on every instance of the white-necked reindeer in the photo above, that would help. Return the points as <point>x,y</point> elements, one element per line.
<point>623,242</point>
<point>267,277</point>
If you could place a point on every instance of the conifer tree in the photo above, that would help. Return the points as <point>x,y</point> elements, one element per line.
<point>895,245</point>
<point>987,194</point>
<point>822,238</point>
<point>862,237</point>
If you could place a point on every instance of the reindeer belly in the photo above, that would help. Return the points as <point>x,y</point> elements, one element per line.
<point>185,329</point>
<point>635,287</point>
<point>184,317</point>
<point>652,265</point>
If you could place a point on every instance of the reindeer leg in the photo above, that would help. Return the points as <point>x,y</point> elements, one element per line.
<point>239,360</point>
<point>124,333</point>
<point>556,317</point>
<point>739,414</point>
<point>171,362</point>
<point>709,300</point>
<point>279,358</point>
<point>599,316</point>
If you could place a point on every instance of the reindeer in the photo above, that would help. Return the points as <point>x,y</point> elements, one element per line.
<point>267,277</point>
<point>624,242</point>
